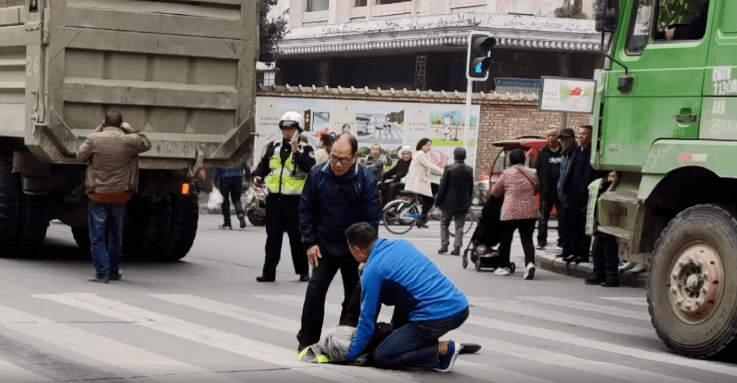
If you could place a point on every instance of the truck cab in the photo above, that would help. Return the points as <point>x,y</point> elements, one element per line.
<point>666,118</point>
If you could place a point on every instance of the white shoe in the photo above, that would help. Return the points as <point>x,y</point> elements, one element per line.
<point>627,266</point>
<point>640,267</point>
<point>503,271</point>
<point>530,271</point>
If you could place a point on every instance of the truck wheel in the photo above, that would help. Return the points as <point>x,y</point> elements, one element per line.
<point>33,222</point>
<point>183,229</point>
<point>146,227</point>
<point>9,201</point>
<point>692,289</point>
<point>82,238</point>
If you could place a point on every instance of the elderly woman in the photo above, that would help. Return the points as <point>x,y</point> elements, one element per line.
<point>376,161</point>
<point>518,185</point>
<point>391,183</point>
<point>323,154</point>
<point>418,179</point>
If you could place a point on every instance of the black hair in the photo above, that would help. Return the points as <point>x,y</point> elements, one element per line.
<point>459,153</point>
<point>351,140</point>
<point>517,157</point>
<point>589,127</point>
<point>326,140</point>
<point>422,143</point>
<point>361,234</point>
<point>113,118</point>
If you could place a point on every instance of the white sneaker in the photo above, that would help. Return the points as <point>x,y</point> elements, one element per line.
<point>502,271</point>
<point>530,271</point>
<point>640,267</point>
<point>627,266</point>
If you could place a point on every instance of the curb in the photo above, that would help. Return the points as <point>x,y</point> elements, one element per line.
<point>547,260</point>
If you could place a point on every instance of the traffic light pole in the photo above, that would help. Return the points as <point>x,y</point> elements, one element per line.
<point>478,61</point>
<point>467,126</point>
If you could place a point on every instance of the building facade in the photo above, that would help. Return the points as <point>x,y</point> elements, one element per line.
<point>421,44</point>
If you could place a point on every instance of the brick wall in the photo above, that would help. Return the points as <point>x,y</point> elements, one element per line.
<point>502,117</point>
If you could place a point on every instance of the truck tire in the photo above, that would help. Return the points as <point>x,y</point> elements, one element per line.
<point>183,228</point>
<point>692,302</point>
<point>33,222</point>
<point>9,201</point>
<point>146,228</point>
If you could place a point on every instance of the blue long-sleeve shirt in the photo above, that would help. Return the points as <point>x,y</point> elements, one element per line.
<point>399,275</point>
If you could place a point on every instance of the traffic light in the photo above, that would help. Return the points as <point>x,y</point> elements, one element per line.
<point>479,56</point>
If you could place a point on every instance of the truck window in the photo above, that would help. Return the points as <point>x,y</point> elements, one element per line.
<point>640,31</point>
<point>681,20</point>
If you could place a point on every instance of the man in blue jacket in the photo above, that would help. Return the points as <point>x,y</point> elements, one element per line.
<point>337,194</point>
<point>426,303</point>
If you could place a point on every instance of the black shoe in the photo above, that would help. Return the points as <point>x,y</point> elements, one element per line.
<point>456,251</point>
<point>611,282</point>
<point>97,280</point>
<point>569,259</point>
<point>541,246</point>
<point>443,250</point>
<point>226,226</point>
<point>242,218</point>
<point>117,277</point>
<point>304,278</point>
<point>581,260</point>
<point>469,348</point>
<point>264,278</point>
<point>562,255</point>
<point>594,281</point>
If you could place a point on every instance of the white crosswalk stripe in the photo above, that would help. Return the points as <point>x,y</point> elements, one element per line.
<point>547,345</point>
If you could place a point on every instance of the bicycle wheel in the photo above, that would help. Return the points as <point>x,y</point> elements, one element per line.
<point>467,225</point>
<point>400,216</point>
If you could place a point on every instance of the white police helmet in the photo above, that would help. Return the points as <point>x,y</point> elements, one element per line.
<point>293,118</point>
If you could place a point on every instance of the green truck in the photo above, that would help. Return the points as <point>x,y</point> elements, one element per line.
<point>666,117</point>
<point>181,71</point>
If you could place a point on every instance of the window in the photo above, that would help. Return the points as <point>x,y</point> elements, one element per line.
<point>379,2</point>
<point>679,20</point>
<point>11,3</point>
<point>360,3</point>
<point>317,5</point>
<point>640,32</point>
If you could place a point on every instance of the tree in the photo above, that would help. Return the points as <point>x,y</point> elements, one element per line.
<point>271,31</point>
<point>677,12</point>
<point>571,9</point>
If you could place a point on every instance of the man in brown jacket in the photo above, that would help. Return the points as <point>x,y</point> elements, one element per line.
<point>111,179</point>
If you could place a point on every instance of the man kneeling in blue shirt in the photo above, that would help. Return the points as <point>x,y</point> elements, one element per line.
<point>426,303</point>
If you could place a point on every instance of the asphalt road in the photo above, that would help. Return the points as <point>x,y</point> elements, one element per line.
<point>206,319</point>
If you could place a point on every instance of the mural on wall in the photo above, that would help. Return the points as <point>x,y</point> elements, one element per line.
<point>389,124</point>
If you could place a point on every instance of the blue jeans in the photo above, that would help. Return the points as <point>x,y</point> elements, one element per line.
<point>415,344</point>
<point>106,219</point>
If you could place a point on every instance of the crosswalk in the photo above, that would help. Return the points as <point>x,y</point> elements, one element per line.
<point>192,338</point>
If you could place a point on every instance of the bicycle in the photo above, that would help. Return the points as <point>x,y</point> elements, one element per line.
<point>402,214</point>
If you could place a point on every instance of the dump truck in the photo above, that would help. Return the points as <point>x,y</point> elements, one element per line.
<point>183,72</point>
<point>666,117</point>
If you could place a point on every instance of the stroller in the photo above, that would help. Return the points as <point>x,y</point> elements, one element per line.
<point>486,236</point>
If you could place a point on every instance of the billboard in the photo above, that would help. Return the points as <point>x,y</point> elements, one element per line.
<point>567,95</point>
<point>389,124</point>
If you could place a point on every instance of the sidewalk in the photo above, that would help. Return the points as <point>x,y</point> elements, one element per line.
<point>546,260</point>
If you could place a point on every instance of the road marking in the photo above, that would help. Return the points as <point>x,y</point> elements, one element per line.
<point>572,339</point>
<point>108,351</point>
<point>236,344</point>
<point>554,316</point>
<point>628,300</point>
<point>557,360</point>
<point>640,314</point>
<point>19,374</point>
<point>538,355</point>
<point>276,323</point>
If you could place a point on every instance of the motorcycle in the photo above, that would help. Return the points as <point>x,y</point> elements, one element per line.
<point>256,204</point>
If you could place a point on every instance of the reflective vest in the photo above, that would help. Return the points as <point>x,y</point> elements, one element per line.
<point>288,179</point>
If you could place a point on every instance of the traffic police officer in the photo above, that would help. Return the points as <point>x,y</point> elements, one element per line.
<point>284,166</point>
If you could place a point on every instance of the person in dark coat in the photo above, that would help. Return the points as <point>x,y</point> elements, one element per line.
<point>568,144</point>
<point>576,189</point>
<point>547,165</point>
<point>336,195</point>
<point>454,199</point>
<point>695,28</point>
<point>392,183</point>
<point>605,249</point>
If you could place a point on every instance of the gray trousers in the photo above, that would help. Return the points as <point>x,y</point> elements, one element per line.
<point>460,218</point>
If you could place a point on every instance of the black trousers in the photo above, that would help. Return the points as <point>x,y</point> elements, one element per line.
<point>427,202</point>
<point>390,190</point>
<point>282,215</point>
<point>547,201</point>
<point>231,188</point>
<point>605,252</point>
<point>579,242</point>
<point>526,227</point>
<point>313,310</point>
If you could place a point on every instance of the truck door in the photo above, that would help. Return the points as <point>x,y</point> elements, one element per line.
<point>720,88</point>
<point>668,70</point>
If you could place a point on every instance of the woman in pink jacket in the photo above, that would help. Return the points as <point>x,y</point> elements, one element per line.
<point>518,184</point>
